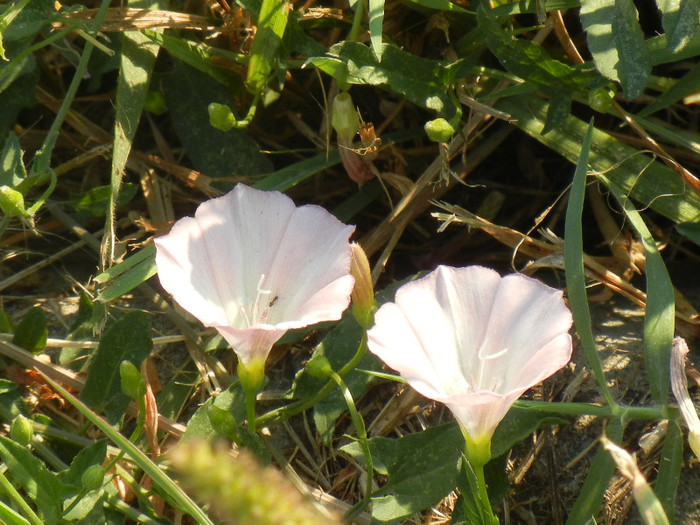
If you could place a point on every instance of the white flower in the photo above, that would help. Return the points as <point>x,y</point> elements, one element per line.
<point>253,265</point>
<point>475,341</point>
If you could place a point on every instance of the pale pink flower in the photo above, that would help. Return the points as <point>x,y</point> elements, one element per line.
<point>679,386</point>
<point>253,265</point>
<point>473,340</point>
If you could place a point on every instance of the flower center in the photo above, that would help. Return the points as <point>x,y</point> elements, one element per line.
<point>257,313</point>
<point>485,375</point>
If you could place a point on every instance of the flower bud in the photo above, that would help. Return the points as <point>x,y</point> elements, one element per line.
<point>439,130</point>
<point>133,383</point>
<point>21,430</point>
<point>93,477</point>
<point>344,118</point>
<point>363,303</point>
<point>12,202</point>
<point>319,366</point>
<point>221,117</point>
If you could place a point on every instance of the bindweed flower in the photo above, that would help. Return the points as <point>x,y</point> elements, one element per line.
<point>253,265</point>
<point>475,341</point>
<point>679,386</point>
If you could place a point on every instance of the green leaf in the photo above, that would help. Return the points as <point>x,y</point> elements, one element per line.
<point>639,176</point>
<point>686,85</point>
<point>41,486</point>
<point>129,338</point>
<point>95,202</point>
<point>201,56</point>
<point>439,5</point>
<point>31,333</point>
<point>575,274</point>
<point>634,66</point>
<point>596,19</point>
<point>128,274</point>
<point>215,153</point>
<point>670,464</point>
<point>599,474</point>
<point>421,81</point>
<point>12,170</point>
<point>93,454</point>
<point>617,43</point>
<point>660,315</point>
<point>532,63</point>
<point>423,467</point>
<point>376,22</point>
<point>264,54</point>
<point>680,20</point>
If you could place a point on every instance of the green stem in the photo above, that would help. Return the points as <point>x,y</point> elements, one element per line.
<point>581,409</point>
<point>284,413</point>
<point>357,21</point>
<point>17,498</point>
<point>362,438</point>
<point>250,408</point>
<point>43,156</point>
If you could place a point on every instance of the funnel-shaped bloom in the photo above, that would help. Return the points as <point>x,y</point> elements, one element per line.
<point>475,341</point>
<point>679,386</point>
<point>253,265</point>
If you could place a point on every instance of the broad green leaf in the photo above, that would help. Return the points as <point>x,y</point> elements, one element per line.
<point>421,81</point>
<point>575,275</point>
<point>215,153</point>
<point>680,20</point>
<point>634,65</point>
<point>12,170</point>
<point>423,467</point>
<point>639,176</point>
<point>31,333</point>
<point>264,54</point>
<point>128,274</point>
<point>128,338</point>
<point>9,14</point>
<point>531,61</point>
<point>660,315</point>
<point>596,19</point>
<point>42,486</point>
<point>599,474</point>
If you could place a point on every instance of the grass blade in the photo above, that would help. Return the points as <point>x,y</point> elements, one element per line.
<point>575,274</point>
